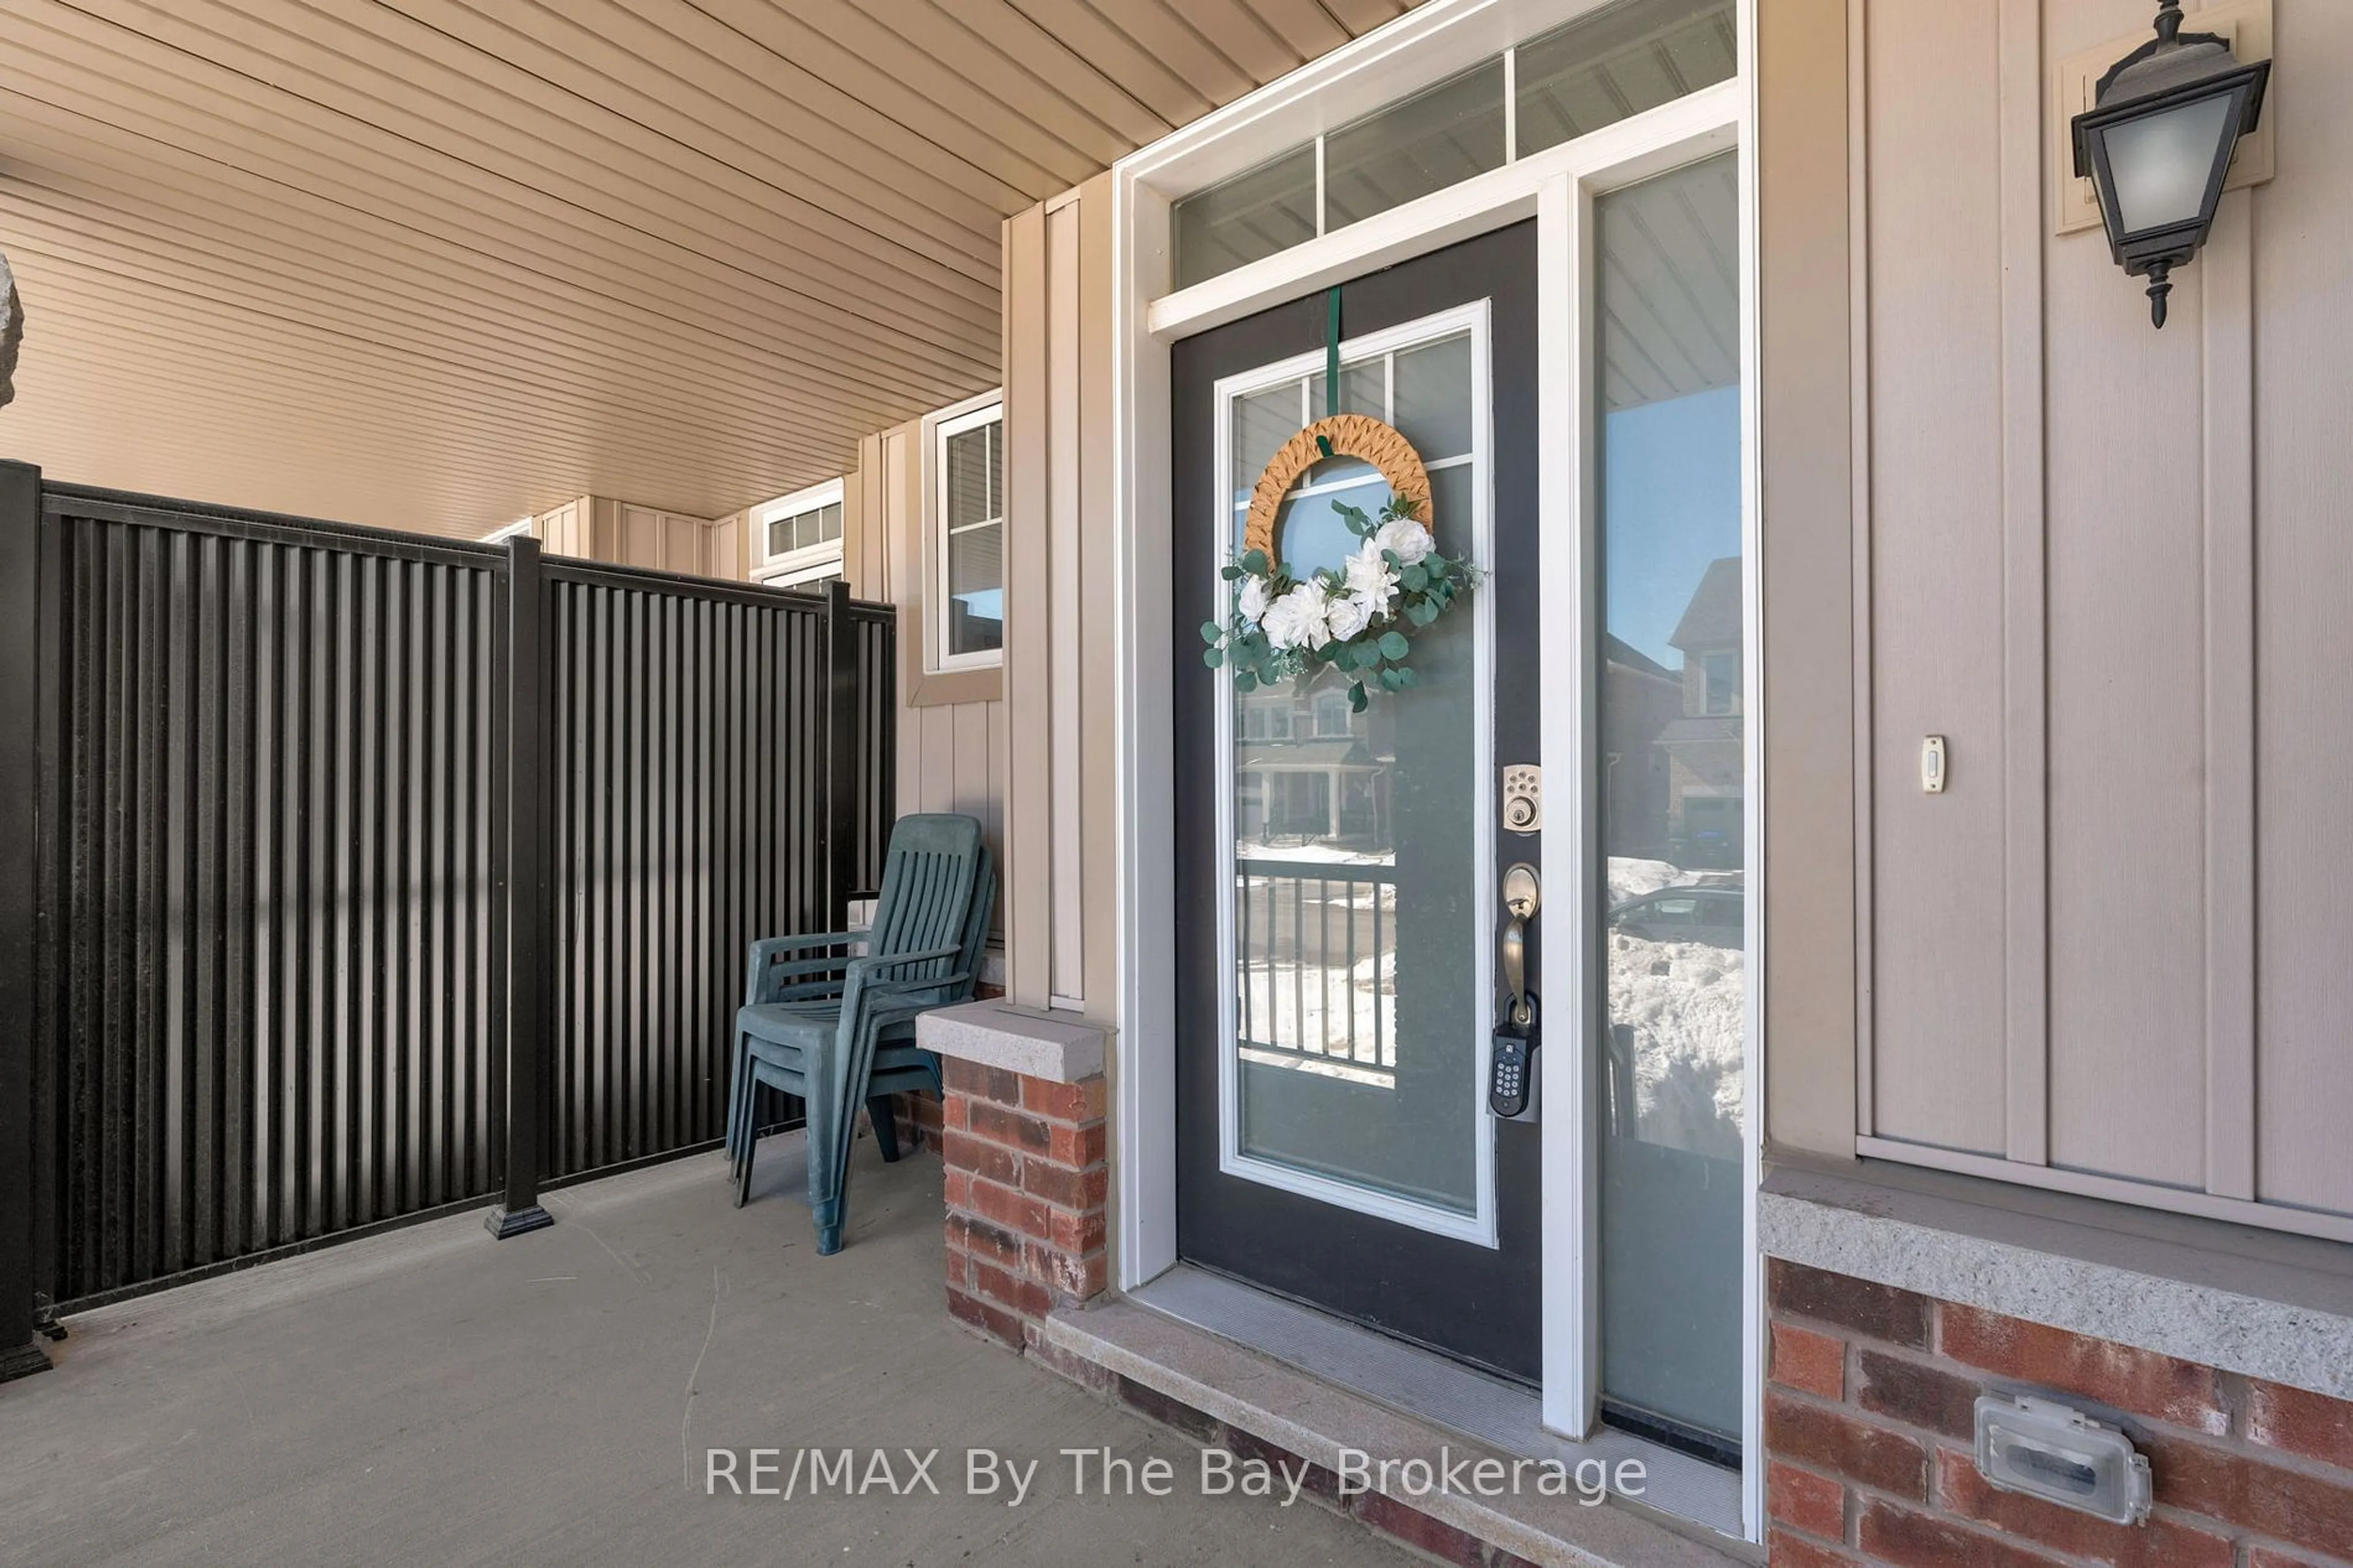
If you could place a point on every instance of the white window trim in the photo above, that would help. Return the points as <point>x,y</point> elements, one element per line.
<point>806,564</point>
<point>956,419</point>
<point>1556,186</point>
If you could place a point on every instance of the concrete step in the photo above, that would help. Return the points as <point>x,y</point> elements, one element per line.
<point>1432,1493</point>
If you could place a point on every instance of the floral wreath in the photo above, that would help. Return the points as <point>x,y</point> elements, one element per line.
<point>1359,617</point>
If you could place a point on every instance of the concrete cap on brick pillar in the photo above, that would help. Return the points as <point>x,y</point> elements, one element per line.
<point>1059,1048</point>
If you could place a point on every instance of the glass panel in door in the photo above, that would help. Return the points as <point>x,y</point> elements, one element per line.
<point>1674,750</point>
<point>1358,840</point>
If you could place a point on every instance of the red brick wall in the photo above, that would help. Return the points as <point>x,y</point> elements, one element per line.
<point>917,1119</point>
<point>1867,1436</point>
<point>1027,1185</point>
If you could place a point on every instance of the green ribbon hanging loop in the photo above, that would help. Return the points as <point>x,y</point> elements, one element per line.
<point>1331,363</point>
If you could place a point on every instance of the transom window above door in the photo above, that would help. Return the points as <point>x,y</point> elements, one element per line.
<point>1605,65</point>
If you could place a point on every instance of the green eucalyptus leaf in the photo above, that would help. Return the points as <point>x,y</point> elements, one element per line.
<point>1213,658</point>
<point>1394,646</point>
<point>1358,701</point>
<point>1389,679</point>
<point>1421,612</point>
<point>1414,578</point>
<point>1245,682</point>
<point>1405,675</point>
<point>1254,563</point>
<point>1231,573</point>
<point>1212,633</point>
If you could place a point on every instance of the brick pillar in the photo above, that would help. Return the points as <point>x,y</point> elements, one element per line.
<point>1026,1185</point>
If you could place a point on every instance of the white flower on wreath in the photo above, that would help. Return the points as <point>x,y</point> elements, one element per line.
<point>1407,538</point>
<point>1253,599</point>
<point>1346,614</point>
<point>1300,618</point>
<point>1372,579</point>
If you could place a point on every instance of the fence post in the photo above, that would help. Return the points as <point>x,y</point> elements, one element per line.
<point>841,694</point>
<point>521,808</point>
<point>20,648</point>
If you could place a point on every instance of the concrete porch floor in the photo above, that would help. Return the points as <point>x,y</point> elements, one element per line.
<point>431,1395</point>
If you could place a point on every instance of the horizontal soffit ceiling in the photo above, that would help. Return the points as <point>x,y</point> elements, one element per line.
<point>434,265</point>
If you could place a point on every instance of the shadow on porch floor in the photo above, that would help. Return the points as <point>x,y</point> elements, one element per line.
<point>432,1396</point>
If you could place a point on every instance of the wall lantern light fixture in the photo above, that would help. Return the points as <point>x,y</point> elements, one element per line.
<point>2156,144</point>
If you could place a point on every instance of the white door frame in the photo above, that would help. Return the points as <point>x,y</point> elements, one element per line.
<point>1557,187</point>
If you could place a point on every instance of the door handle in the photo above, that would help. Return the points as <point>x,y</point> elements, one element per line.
<point>1523,895</point>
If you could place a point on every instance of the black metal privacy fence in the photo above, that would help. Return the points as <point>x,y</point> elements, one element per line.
<point>355,876</point>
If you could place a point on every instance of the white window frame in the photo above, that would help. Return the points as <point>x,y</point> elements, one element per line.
<point>953,420</point>
<point>1477,1226</point>
<point>1557,187</point>
<point>811,562</point>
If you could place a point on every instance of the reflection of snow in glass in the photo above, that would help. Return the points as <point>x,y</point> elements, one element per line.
<point>1317,991</point>
<point>1685,1003</point>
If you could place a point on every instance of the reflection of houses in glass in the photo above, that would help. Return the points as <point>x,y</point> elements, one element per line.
<point>1702,744</point>
<point>1640,698</point>
<point>1308,770</point>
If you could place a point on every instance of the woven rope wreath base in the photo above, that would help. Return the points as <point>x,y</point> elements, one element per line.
<point>1350,435</point>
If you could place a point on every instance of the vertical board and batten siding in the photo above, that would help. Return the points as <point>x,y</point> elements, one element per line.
<point>271,963</point>
<point>2301,578</point>
<point>560,530</point>
<point>1060,654</point>
<point>2108,563</point>
<point>951,755</point>
<point>597,528</point>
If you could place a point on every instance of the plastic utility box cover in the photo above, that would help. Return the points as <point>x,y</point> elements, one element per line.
<point>2062,1456</point>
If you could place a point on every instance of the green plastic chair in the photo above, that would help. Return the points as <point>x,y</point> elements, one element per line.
<point>837,1029</point>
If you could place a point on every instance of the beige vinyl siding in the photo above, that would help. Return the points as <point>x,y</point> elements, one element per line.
<point>1806,563</point>
<point>560,531</point>
<point>597,528</point>
<point>2294,993</point>
<point>952,754</point>
<point>728,542</point>
<point>1061,654</point>
<point>2108,564</point>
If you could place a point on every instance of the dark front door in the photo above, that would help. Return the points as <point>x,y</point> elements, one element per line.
<point>1339,873</point>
